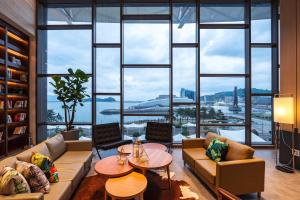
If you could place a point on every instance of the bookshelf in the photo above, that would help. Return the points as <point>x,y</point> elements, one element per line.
<point>14,85</point>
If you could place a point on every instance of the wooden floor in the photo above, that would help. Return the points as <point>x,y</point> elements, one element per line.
<point>278,185</point>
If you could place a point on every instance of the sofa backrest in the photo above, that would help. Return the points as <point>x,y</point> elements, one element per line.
<point>210,136</point>
<point>237,151</point>
<point>41,148</point>
<point>9,162</point>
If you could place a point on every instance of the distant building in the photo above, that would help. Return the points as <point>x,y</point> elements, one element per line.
<point>188,94</point>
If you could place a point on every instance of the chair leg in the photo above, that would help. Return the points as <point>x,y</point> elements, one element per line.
<point>259,195</point>
<point>98,154</point>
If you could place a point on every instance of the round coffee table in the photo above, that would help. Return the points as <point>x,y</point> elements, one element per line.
<point>128,147</point>
<point>157,159</point>
<point>126,187</point>
<point>110,167</point>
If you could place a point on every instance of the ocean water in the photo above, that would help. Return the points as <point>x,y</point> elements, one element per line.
<point>84,113</point>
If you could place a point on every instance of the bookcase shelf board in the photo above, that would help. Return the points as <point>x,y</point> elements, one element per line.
<point>14,85</point>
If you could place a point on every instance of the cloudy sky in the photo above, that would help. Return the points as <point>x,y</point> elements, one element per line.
<point>221,51</point>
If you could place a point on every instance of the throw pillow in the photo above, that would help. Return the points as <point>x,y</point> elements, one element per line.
<point>12,182</point>
<point>217,150</point>
<point>45,164</point>
<point>56,146</point>
<point>35,177</point>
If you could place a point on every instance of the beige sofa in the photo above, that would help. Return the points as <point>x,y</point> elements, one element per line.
<point>241,173</point>
<point>72,160</point>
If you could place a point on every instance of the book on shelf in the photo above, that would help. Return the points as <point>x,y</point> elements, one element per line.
<point>19,117</point>
<point>9,74</point>
<point>23,77</point>
<point>1,135</point>
<point>1,104</point>
<point>9,104</point>
<point>9,119</point>
<point>2,89</point>
<point>20,130</point>
<point>20,104</point>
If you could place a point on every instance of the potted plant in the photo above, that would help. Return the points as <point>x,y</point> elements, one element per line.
<point>70,92</point>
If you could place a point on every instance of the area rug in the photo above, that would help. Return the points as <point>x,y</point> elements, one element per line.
<point>92,188</point>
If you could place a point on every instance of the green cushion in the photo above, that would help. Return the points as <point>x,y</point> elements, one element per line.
<point>217,150</point>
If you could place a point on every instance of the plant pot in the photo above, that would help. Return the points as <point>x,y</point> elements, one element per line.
<point>71,134</point>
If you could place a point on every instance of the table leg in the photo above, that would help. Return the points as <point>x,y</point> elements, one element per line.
<point>105,195</point>
<point>141,196</point>
<point>168,171</point>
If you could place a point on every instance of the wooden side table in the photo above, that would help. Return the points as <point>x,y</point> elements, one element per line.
<point>157,159</point>
<point>110,167</point>
<point>126,187</point>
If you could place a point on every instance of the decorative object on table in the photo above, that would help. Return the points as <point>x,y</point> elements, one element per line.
<point>284,114</point>
<point>136,149</point>
<point>135,136</point>
<point>143,155</point>
<point>122,157</point>
<point>70,91</point>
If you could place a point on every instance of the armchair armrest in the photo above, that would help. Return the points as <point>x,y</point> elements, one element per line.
<point>76,145</point>
<point>193,143</point>
<point>25,196</point>
<point>241,176</point>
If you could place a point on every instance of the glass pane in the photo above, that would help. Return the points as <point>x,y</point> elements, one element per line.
<point>142,9</point>
<point>261,69</point>
<point>184,74</point>
<point>107,109</point>
<point>137,125</point>
<point>215,54</point>
<point>69,15</point>
<point>261,120</point>
<point>235,133</point>
<point>184,23</point>
<point>50,109</point>
<point>146,91</point>
<point>221,13</point>
<point>66,49</point>
<point>184,123</point>
<point>108,70</point>
<point>146,42</point>
<point>261,22</point>
<point>108,25</point>
<point>222,100</point>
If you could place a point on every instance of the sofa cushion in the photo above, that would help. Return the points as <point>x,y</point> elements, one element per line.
<point>192,154</point>
<point>237,151</point>
<point>75,157</point>
<point>56,146</point>
<point>35,177</point>
<point>60,191</point>
<point>12,182</point>
<point>73,172</point>
<point>45,164</point>
<point>217,150</point>
<point>207,169</point>
<point>210,136</point>
<point>41,148</point>
<point>9,162</point>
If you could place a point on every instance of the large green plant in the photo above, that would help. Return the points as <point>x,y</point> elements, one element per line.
<point>70,91</point>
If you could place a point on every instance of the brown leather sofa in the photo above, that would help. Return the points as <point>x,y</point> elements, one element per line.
<point>241,173</point>
<point>72,160</point>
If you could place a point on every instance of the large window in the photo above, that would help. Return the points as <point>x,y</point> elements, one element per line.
<point>208,66</point>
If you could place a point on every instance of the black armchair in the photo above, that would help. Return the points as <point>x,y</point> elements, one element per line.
<point>160,133</point>
<point>107,136</point>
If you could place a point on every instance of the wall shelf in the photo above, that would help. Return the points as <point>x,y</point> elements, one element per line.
<point>14,72</point>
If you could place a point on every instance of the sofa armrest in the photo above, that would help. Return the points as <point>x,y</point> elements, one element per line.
<point>193,143</point>
<point>76,145</point>
<point>25,196</point>
<point>241,176</point>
